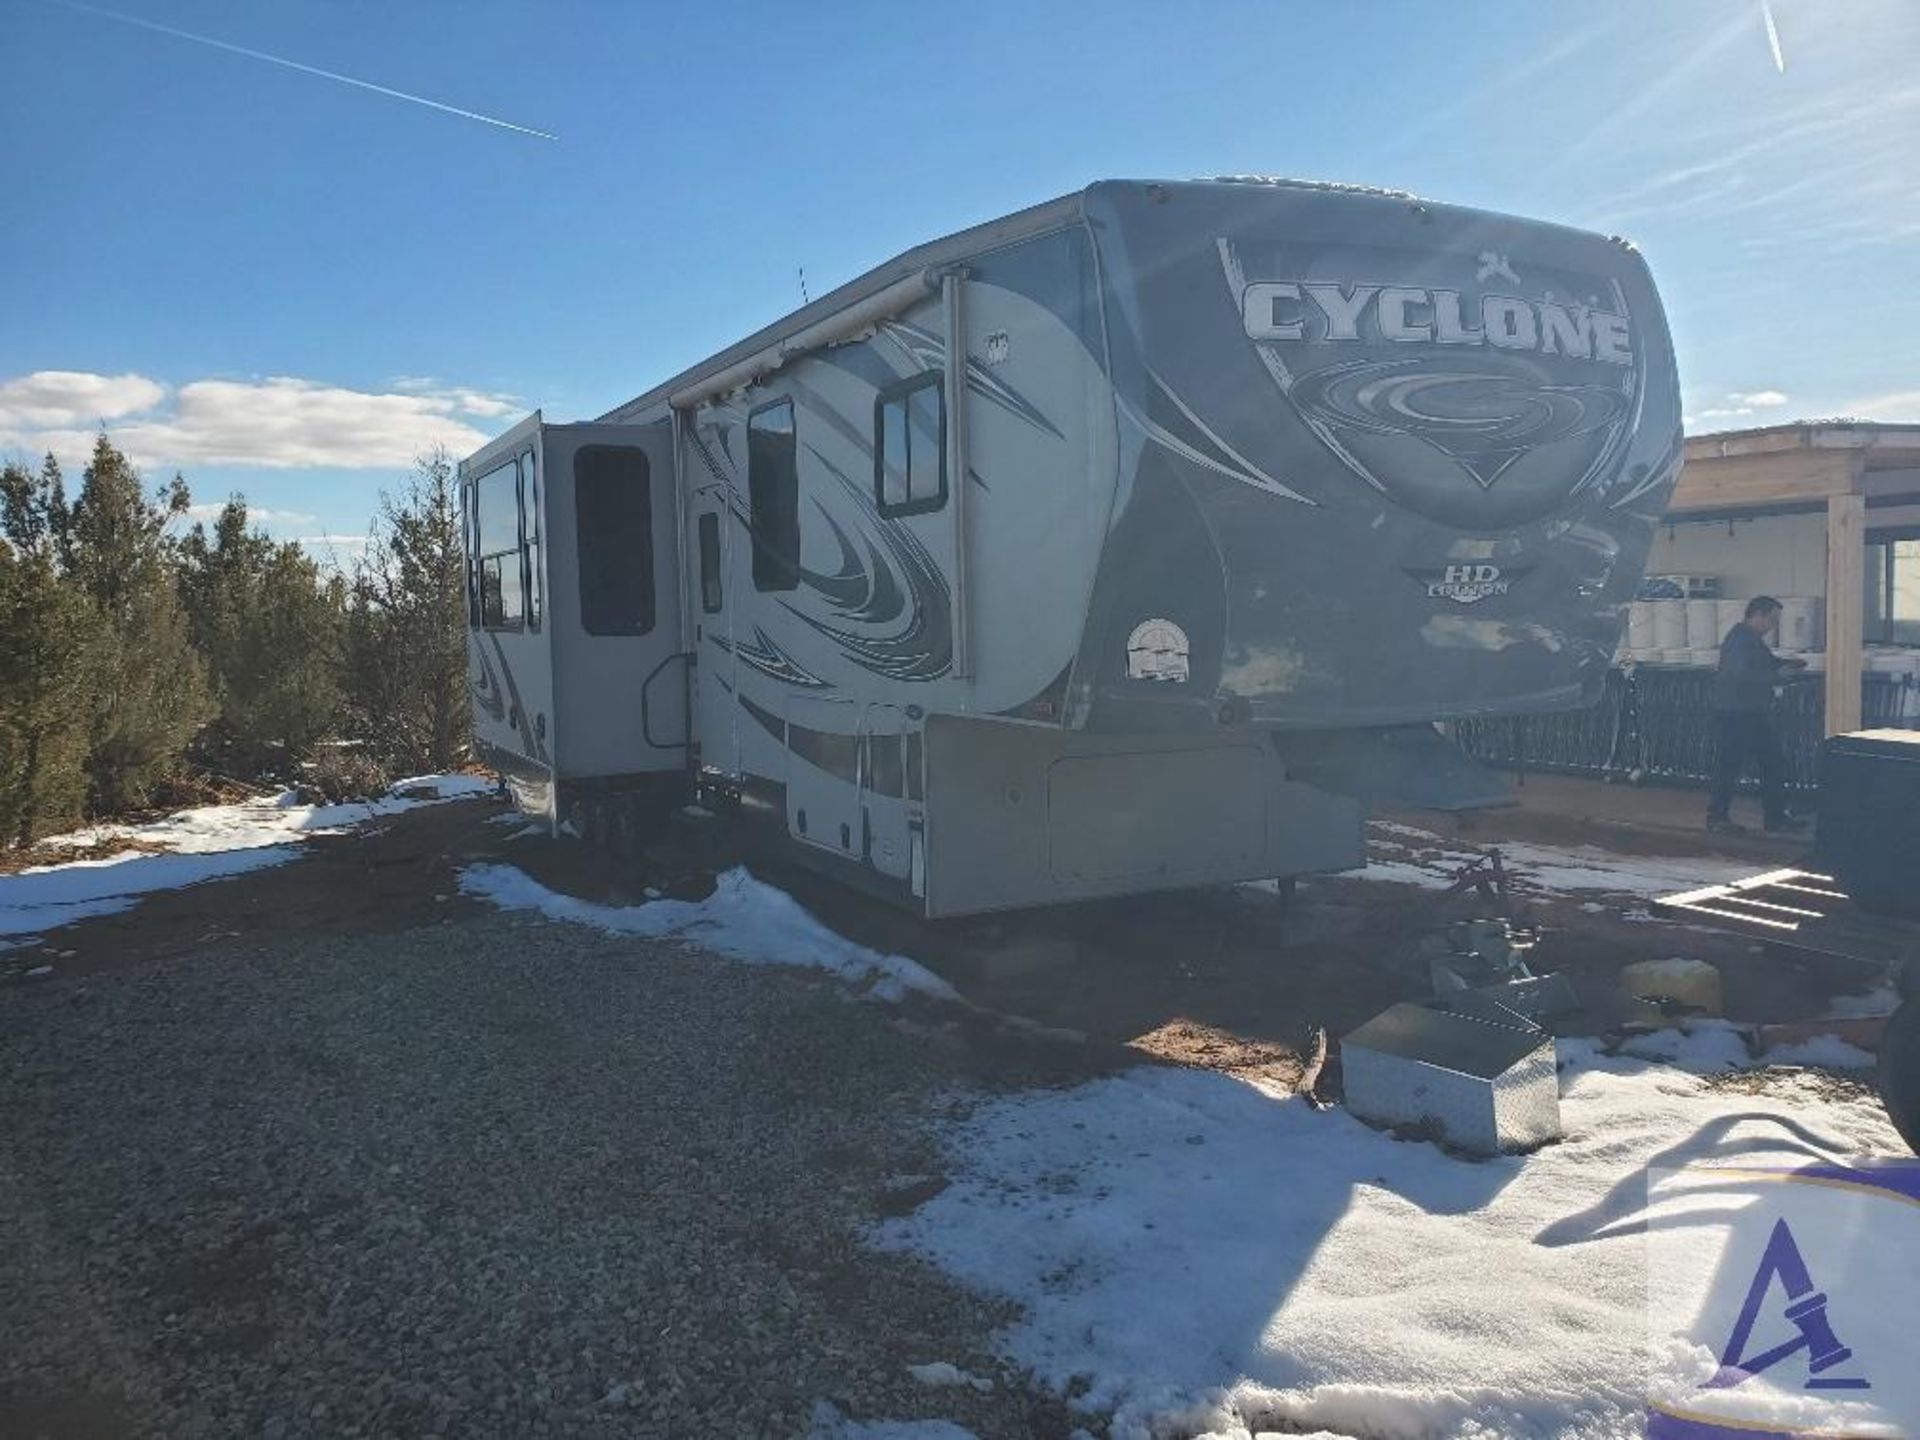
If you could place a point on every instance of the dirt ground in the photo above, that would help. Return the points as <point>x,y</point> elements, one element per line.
<point>1237,979</point>
<point>223,1065</point>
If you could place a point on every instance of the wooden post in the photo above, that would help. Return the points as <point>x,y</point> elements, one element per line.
<point>1846,606</point>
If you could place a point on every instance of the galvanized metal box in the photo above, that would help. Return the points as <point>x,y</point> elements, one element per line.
<point>1478,1083</point>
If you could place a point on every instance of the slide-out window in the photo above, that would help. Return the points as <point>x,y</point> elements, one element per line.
<point>910,446</point>
<point>497,527</point>
<point>710,591</point>
<point>470,542</point>
<point>613,509</point>
<point>530,527</point>
<point>773,486</point>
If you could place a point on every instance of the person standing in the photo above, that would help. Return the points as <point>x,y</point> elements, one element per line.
<point>1743,720</point>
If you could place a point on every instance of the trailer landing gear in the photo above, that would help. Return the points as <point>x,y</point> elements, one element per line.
<point>1900,1071</point>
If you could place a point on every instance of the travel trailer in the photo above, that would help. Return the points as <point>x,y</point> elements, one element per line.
<point>1132,541</point>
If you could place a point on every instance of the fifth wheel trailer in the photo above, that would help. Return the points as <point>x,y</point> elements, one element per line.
<point>1132,541</point>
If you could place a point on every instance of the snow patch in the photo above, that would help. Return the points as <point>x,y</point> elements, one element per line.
<point>212,842</point>
<point>945,1373</point>
<point>1829,1052</point>
<point>829,1424</point>
<point>444,787</point>
<point>1408,857</point>
<point>1881,1000</point>
<point>743,919</point>
<point>47,896</point>
<point>1702,1047</point>
<point>1298,1271</point>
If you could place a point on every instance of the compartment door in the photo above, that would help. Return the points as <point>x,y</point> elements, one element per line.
<point>823,761</point>
<point>888,813</point>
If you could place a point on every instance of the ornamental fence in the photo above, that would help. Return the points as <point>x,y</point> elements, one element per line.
<point>1656,724</point>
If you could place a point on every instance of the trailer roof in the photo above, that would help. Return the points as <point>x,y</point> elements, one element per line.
<point>1035,220</point>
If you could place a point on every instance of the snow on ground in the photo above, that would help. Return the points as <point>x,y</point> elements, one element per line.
<point>829,1424</point>
<point>1828,1052</point>
<point>208,843</point>
<point>1701,1046</point>
<point>743,919</point>
<point>1203,1256</point>
<point>49,895</point>
<point>1881,1000</point>
<point>1403,855</point>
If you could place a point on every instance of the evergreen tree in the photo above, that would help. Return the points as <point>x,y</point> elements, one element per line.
<point>152,694</point>
<point>271,630</point>
<point>50,644</point>
<point>407,624</point>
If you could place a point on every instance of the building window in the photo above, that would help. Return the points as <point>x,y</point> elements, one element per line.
<point>710,591</point>
<point>497,531</point>
<point>773,485</point>
<point>1893,588</point>
<point>530,527</point>
<point>910,446</point>
<point>613,518</point>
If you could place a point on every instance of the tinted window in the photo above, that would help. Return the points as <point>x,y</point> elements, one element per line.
<point>910,446</point>
<point>497,507</point>
<point>710,592</point>
<point>915,759</point>
<point>613,510</point>
<point>530,527</point>
<point>773,484</point>
<point>469,540</point>
<point>883,765</point>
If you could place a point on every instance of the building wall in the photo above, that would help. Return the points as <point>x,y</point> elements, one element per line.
<point>1772,554</point>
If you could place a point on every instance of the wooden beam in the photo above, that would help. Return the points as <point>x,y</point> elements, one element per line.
<point>1745,482</point>
<point>1846,610</point>
<point>1777,439</point>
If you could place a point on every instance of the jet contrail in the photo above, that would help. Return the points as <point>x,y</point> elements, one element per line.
<point>1773,38</point>
<point>231,48</point>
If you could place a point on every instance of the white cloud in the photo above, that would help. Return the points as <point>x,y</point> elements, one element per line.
<point>1741,405</point>
<point>61,398</point>
<point>257,514</point>
<point>1898,407</point>
<point>477,402</point>
<point>487,403</point>
<point>282,422</point>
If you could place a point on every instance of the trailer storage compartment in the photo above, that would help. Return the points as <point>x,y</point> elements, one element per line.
<point>1020,814</point>
<point>1868,835</point>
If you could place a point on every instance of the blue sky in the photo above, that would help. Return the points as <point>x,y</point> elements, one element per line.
<point>285,285</point>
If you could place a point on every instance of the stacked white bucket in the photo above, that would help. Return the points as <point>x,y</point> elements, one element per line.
<point>1689,632</point>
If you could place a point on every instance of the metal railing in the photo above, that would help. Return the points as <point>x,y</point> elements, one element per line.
<point>1653,723</point>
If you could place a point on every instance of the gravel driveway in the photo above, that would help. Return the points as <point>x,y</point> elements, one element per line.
<point>494,1176</point>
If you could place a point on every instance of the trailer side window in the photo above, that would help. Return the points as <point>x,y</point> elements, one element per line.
<point>613,516</point>
<point>773,485</point>
<point>910,446</point>
<point>497,524</point>
<point>710,592</point>
<point>470,542</point>
<point>530,530</point>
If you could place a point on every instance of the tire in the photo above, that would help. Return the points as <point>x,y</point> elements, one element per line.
<point>1900,1072</point>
